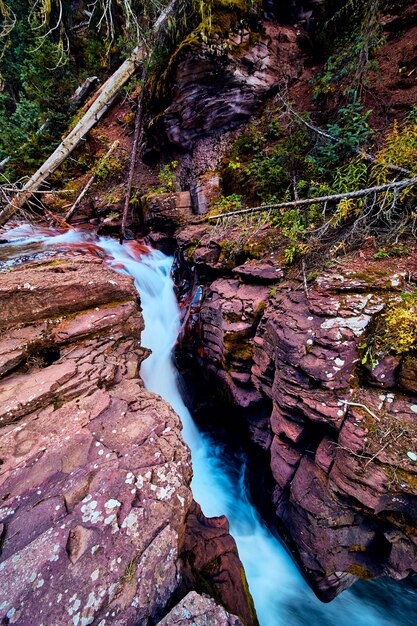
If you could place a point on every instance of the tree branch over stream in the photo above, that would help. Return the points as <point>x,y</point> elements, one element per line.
<point>360,193</point>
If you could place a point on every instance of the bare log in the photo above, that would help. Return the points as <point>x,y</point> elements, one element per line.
<point>87,186</point>
<point>360,193</point>
<point>96,111</point>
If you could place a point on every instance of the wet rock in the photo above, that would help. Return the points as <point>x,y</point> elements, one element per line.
<point>199,610</point>
<point>212,562</point>
<point>227,323</point>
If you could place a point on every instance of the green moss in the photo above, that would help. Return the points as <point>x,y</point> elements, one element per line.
<point>238,349</point>
<point>130,571</point>
<point>248,598</point>
<point>395,330</point>
<point>408,478</point>
<point>231,253</point>
<point>109,167</point>
<point>358,570</point>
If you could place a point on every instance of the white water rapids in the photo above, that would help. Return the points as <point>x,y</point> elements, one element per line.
<point>281,595</point>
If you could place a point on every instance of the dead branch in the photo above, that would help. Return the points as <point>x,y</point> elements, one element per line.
<point>362,406</point>
<point>360,193</point>
<point>87,186</point>
<point>382,449</point>
<point>136,136</point>
<point>322,133</point>
<point>61,222</point>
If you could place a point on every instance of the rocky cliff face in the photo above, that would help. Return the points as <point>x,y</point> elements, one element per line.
<point>335,433</point>
<point>94,474</point>
<point>217,86</point>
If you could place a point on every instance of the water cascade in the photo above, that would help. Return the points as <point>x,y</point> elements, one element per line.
<point>280,593</point>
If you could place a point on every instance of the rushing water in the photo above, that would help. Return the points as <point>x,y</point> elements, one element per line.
<point>281,595</point>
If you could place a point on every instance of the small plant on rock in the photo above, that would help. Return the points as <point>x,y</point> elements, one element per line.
<point>167,179</point>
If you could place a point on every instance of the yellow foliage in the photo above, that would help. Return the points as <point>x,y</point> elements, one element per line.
<point>397,328</point>
<point>400,149</point>
<point>345,208</point>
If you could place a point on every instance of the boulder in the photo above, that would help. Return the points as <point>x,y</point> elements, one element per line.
<point>199,610</point>
<point>211,562</point>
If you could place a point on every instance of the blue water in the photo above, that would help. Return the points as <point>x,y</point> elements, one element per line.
<point>281,595</point>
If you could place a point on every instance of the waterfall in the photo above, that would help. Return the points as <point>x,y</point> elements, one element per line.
<point>281,595</point>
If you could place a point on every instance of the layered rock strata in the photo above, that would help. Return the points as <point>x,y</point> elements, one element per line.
<point>218,85</point>
<point>340,435</point>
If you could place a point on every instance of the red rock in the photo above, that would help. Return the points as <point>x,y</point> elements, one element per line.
<point>384,374</point>
<point>408,374</point>
<point>65,287</point>
<point>94,479</point>
<point>259,271</point>
<point>325,454</point>
<point>281,425</point>
<point>212,562</point>
<point>284,462</point>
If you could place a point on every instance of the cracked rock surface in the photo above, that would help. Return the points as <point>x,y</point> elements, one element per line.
<point>94,473</point>
<point>200,611</point>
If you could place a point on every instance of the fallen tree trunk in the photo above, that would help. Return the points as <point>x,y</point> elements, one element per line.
<point>105,98</point>
<point>96,111</point>
<point>360,193</point>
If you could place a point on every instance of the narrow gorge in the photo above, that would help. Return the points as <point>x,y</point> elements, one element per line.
<point>208,387</point>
